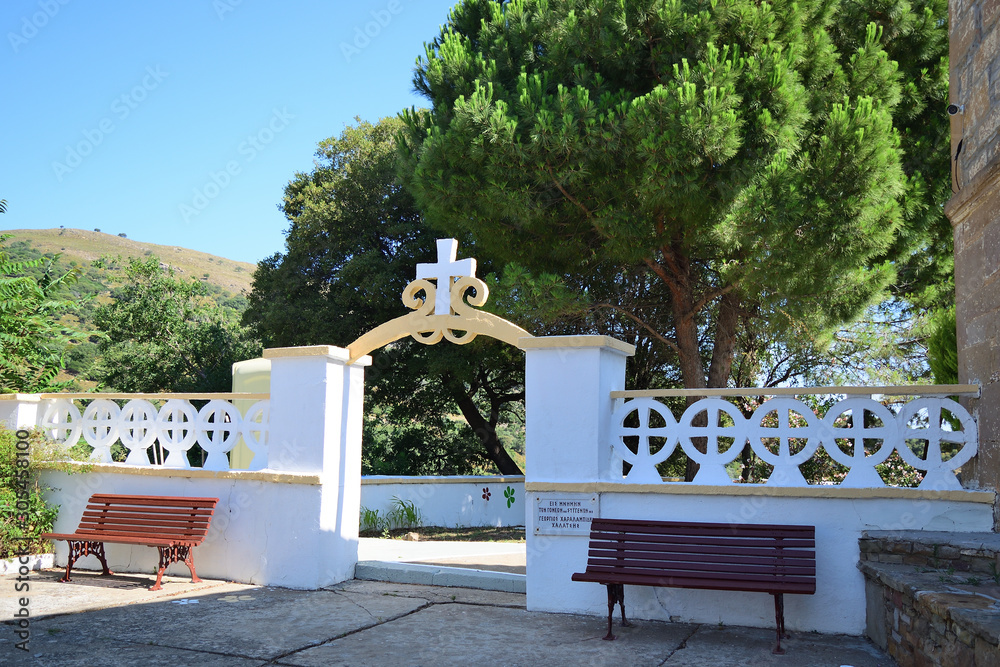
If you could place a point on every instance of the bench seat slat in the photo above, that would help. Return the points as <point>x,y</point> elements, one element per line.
<point>144,541</point>
<point>804,587</point>
<point>655,571</point>
<point>142,530</point>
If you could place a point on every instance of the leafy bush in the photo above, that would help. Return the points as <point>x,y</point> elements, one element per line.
<point>24,514</point>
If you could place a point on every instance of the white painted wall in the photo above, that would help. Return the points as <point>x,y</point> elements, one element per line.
<point>449,502</point>
<point>839,603</point>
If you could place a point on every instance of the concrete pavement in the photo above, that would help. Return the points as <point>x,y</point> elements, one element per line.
<point>97,621</point>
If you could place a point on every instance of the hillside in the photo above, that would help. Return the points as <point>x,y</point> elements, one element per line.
<point>83,247</point>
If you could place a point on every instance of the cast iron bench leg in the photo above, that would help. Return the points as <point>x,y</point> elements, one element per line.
<point>779,621</point>
<point>170,555</point>
<point>78,548</point>
<point>616,593</point>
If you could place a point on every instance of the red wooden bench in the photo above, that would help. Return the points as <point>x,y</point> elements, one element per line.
<point>174,525</point>
<point>771,559</point>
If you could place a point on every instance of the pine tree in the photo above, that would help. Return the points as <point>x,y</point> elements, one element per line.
<point>762,160</point>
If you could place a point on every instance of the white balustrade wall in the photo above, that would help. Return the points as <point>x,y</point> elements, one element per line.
<point>290,520</point>
<point>158,436</point>
<point>785,433</point>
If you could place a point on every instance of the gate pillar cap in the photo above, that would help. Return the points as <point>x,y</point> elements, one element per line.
<point>336,353</point>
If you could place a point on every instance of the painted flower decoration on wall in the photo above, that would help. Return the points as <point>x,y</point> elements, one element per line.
<point>486,493</point>
<point>509,495</point>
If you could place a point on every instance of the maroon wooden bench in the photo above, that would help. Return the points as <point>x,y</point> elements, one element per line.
<point>771,559</point>
<point>174,525</point>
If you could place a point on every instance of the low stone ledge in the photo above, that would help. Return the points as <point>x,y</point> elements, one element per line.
<point>963,552</point>
<point>920,615</point>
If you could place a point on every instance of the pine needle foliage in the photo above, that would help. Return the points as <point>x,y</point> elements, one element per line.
<point>762,160</point>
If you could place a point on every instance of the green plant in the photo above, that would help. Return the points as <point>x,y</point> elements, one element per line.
<point>373,520</point>
<point>24,514</point>
<point>973,581</point>
<point>404,514</point>
<point>994,573</point>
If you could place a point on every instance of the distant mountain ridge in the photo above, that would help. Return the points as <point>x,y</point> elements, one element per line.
<point>84,247</point>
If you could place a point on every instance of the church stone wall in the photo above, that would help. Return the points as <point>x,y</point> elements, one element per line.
<point>974,212</point>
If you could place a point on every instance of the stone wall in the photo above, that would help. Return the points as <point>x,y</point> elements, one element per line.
<point>932,596</point>
<point>974,212</point>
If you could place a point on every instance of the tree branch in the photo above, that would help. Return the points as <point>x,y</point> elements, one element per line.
<point>655,334</point>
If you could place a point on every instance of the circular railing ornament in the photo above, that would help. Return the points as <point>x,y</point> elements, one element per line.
<point>218,428</point>
<point>862,472</point>
<point>61,422</point>
<point>712,462</point>
<point>100,428</point>
<point>786,465</point>
<point>137,430</point>
<point>177,424</point>
<point>643,460</point>
<point>940,473</point>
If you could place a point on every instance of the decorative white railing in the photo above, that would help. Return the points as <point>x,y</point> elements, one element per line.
<point>785,433</point>
<point>159,436</point>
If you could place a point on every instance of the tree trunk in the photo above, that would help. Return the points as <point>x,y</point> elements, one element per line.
<point>487,434</point>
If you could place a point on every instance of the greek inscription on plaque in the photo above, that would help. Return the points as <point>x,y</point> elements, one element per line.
<point>564,515</point>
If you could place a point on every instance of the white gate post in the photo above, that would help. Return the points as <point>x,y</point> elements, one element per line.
<point>315,427</point>
<point>568,410</point>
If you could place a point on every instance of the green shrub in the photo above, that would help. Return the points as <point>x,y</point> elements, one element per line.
<point>24,514</point>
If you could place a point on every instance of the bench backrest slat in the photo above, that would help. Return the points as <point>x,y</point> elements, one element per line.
<point>638,527</point>
<point>702,561</point>
<point>153,517</point>
<point>802,549</point>
<point>700,541</point>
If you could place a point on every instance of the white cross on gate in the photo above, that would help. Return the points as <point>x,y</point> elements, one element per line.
<point>443,271</point>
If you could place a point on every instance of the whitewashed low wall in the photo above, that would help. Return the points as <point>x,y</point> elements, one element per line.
<point>268,528</point>
<point>840,515</point>
<point>451,502</point>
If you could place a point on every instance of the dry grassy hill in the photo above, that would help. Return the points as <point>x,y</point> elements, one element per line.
<point>85,246</point>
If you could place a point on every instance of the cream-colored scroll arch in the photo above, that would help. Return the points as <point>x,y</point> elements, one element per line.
<point>460,327</point>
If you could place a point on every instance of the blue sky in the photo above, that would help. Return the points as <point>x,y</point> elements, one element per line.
<point>181,122</point>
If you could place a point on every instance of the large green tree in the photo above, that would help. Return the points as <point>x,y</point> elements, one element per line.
<point>353,243</point>
<point>162,334</point>
<point>762,161</point>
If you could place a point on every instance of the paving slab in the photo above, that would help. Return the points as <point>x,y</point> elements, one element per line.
<point>452,633</point>
<point>713,646</point>
<point>253,623</point>
<point>90,591</point>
